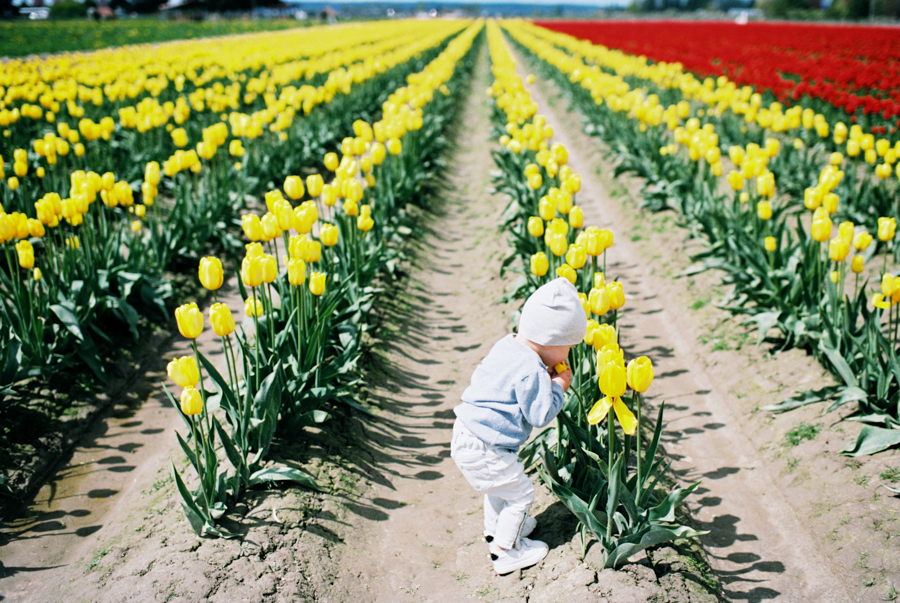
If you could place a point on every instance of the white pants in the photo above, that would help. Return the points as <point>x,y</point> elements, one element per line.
<point>498,474</point>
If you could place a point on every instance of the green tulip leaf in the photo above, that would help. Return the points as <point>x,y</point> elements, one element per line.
<point>292,474</point>
<point>67,317</point>
<point>805,398</point>
<point>871,440</point>
<point>631,545</point>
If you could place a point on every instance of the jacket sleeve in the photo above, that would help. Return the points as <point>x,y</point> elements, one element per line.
<point>539,398</point>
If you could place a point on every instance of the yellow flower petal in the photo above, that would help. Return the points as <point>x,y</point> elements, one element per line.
<point>599,411</point>
<point>625,416</point>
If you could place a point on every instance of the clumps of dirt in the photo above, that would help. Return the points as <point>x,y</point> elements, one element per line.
<point>675,573</point>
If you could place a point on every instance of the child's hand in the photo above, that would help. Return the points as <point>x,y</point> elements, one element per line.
<point>562,375</point>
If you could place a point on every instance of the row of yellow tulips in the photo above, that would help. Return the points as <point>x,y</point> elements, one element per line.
<point>536,174</point>
<point>820,313</point>
<point>303,333</point>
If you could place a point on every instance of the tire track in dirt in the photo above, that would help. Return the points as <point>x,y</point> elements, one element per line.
<point>759,545</point>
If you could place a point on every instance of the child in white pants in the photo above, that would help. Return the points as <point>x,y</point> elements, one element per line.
<point>514,389</point>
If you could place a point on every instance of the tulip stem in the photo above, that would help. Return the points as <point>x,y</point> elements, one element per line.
<point>256,335</point>
<point>232,364</point>
<point>610,476</point>
<point>637,435</point>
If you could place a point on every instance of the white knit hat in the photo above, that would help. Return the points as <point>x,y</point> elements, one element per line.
<point>553,315</point>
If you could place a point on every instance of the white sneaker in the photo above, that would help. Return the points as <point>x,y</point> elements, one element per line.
<point>528,528</point>
<point>527,553</point>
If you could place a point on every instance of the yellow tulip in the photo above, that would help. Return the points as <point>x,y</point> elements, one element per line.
<point>25,252</point>
<point>317,283</point>
<point>585,305</point>
<point>293,186</point>
<point>862,240</point>
<point>305,216</point>
<point>546,208</point>
<point>254,250</point>
<point>296,272</point>
<point>576,217</point>
<point>535,181</point>
<point>328,235</point>
<point>314,184</point>
<point>735,180</point>
<point>640,374</point>
<point>211,273</point>
<point>765,184</point>
<point>221,319</point>
<point>770,244</point>
<point>252,227</point>
<point>191,401</point>
<point>887,227</point>
<point>331,161</point>
<point>568,273</point>
<point>394,147</point>
<point>329,195</point>
<point>284,214</point>
<point>576,256</point>
<point>764,210</point>
<point>364,221</point>
<point>38,275</point>
<point>184,371</point>
<point>557,243</point>
<point>599,300</point>
<point>535,226</point>
<point>252,271</point>
<point>591,329</point>
<point>270,269</point>
<point>593,242</point>
<point>253,307</point>
<point>857,264</point>
<point>539,264</point>
<point>573,183</point>
<point>612,379</point>
<point>616,295</point>
<point>189,320</point>
<point>821,229</point>
<point>605,336</point>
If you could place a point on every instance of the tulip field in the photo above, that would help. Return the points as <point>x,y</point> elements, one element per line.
<point>291,166</point>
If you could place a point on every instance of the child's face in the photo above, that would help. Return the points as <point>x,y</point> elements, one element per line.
<point>551,355</point>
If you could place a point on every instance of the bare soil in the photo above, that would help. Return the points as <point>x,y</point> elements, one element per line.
<point>786,522</point>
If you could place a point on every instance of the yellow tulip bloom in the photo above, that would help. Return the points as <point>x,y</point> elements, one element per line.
<point>252,271</point>
<point>616,295</point>
<point>253,307</point>
<point>221,319</point>
<point>296,272</point>
<point>317,283</point>
<point>640,374</point>
<point>887,227</point>
<point>211,273</point>
<point>191,401</point>
<point>539,264</point>
<point>189,320</point>
<point>184,371</point>
<point>25,253</point>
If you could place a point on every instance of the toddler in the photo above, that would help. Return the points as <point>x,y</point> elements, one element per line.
<point>514,389</point>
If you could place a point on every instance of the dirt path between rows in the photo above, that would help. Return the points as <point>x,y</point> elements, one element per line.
<point>401,524</point>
